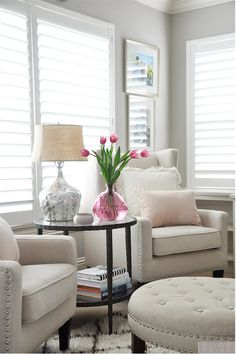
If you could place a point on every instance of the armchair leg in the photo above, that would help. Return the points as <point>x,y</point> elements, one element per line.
<point>64,336</point>
<point>138,345</point>
<point>218,273</point>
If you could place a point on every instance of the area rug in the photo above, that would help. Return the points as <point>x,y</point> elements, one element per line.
<point>93,337</point>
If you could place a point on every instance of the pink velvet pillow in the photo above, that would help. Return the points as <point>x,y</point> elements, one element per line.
<point>169,208</point>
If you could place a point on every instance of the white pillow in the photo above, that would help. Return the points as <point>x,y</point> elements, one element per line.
<point>133,180</point>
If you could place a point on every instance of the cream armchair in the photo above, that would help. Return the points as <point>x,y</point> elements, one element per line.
<point>187,249</point>
<point>37,289</point>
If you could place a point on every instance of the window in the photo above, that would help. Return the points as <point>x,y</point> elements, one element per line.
<point>55,67</point>
<point>211,112</point>
<point>141,122</point>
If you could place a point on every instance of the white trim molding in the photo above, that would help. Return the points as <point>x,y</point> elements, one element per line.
<point>161,5</point>
<point>176,6</point>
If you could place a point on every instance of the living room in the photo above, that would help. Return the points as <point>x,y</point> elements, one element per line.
<point>153,77</point>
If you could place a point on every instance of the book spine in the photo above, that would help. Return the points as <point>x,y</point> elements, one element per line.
<point>115,291</point>
<point>115,272</point>
<point>118,290</point>
<point>103,283</point>
<point>125,281</point>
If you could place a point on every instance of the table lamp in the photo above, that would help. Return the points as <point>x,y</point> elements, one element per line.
<point>58,143</point>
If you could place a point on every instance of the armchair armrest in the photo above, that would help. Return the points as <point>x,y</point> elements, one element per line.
<point>10,305</point>
<point>41,249</point>
<point>141,246</point>
<point>218,220</point>
<point>214,218</point>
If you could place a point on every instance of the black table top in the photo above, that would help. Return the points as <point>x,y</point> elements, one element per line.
<point>95,225</point>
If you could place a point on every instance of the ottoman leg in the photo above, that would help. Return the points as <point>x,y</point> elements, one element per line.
<point>138,345</point>
<point>218,273</point>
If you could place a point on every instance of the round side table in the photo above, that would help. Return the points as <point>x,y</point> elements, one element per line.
<point>108,226</point>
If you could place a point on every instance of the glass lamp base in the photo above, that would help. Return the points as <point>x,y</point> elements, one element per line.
<point>60,201</point>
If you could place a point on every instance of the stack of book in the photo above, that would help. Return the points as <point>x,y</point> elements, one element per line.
<point>92,282</point>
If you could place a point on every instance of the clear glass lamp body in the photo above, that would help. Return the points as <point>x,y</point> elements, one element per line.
<point>60,201</point>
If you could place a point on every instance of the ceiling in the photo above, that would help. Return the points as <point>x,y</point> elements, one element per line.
<point>176,6</point>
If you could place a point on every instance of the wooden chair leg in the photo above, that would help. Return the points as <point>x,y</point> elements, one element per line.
<point>64,336</point>
<point>218,273</point>
<point>138,345</point>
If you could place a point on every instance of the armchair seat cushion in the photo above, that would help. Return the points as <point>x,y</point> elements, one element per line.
<point>185,238</point>
<point>45,286</point>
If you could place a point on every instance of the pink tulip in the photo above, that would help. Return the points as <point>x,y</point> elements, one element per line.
<point>84,152</point>
<point>103,140</point>
<point>144,153</point>
<point>134,154</point>
<point>113,138</point>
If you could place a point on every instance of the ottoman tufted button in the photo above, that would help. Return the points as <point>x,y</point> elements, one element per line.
<point>230,307</point>
<point>162,303</point>
<point>199,310</point>
<point>219,298</point>
<point>190,300</point>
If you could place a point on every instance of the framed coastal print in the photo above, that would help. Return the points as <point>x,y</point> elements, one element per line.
<point>141,113</point>
<point>141,69</point>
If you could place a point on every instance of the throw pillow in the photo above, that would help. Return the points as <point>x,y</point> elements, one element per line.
<point>133,180</point>
<point>169,208</point>
<point>8,246</point>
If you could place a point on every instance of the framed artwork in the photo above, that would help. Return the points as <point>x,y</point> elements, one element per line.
<point>141,69</point>
<point>141,113</point>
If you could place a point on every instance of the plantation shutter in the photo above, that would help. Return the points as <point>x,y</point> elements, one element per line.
<point>212,114</point>
<point>141,120</point>
<point>74,81</point>
<point>15,119</point>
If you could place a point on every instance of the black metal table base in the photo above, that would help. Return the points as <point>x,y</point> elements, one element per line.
<point>108,227</point>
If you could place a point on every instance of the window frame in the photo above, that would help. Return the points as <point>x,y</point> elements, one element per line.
<point>31,9</point>
<point>190,115</point>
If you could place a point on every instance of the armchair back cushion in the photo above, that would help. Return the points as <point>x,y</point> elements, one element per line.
<point>134,180</point>
<point>8,246</point>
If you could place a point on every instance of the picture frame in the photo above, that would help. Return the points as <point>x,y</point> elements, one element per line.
<point>141,122</point>
<point>141,68</point>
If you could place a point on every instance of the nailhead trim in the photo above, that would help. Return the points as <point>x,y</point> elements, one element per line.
<point>171,332</point>
<point>8,279</point>
<point>140,247</point>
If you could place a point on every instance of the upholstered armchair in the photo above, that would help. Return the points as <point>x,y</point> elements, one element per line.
<point>168,251</point>
<point>37,289</point>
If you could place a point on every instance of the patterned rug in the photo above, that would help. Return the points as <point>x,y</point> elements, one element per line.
<point>93,337</point>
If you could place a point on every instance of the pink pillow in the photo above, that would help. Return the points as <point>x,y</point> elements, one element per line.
<point>169,208</point>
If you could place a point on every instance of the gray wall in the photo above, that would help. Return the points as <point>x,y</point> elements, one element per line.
<point>134,21</point>
<point>206,22</point>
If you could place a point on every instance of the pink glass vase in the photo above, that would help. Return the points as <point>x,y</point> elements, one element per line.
<point>109,205</point>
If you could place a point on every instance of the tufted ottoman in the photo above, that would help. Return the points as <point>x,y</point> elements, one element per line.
<point>178,313</point>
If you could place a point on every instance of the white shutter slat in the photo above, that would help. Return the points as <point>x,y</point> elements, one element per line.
<point>15,121</point>
<point>73,36</point>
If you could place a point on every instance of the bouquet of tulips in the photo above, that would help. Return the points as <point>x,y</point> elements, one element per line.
<point>112,162</point>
